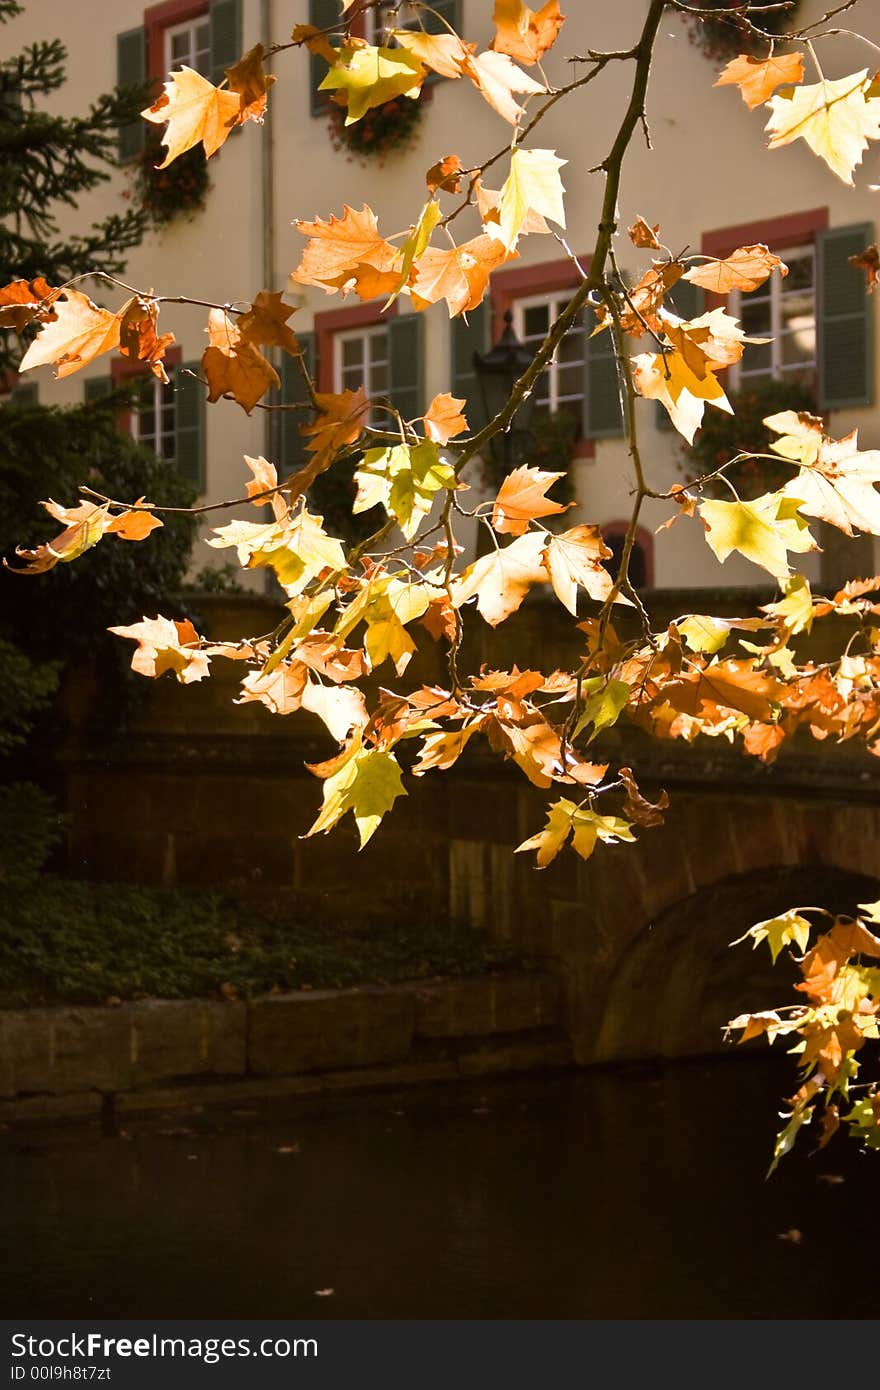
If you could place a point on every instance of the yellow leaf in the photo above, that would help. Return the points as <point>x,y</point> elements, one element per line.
<point>405,478</point>
<point>502,579</point>
<point>532,186</point>
<point>779,932</point>
<point>442,53</point>
<point>763,530</point>
<point>585,827</point>
<point>575,558</point>
<point>196,111</point>
<point>835,118</point>
<point>371,76</point>
<point>79,332</point>
<point>367,783</point>
<point>682,393</point>
<point>497,78</point>
<point>416,243</point>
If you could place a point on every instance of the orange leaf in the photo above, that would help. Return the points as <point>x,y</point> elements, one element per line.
<point>166,645</point>
<point>138,339</point>
<point>868,261</point>
<point>445,174</point>
<point>521,498</point>
<point>340,421</point>
<point>196,112</point>
<point>524,34</point>
<point>444,418</point>
<point>745,269</point>
<point>79,333</point>
<point>758,78</point>
<point>265,323</point>
<point>643,236</point>
<point>249,80</point>
<point>459,274</point>
<point>235,366</point>
<point>134,525</point>
<point>342,246</point>
<point>84,527</point>
<point>21,301</point>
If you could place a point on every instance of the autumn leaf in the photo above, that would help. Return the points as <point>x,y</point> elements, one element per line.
<point>835,482</point>
<point>78,333</point>
<point>365,781</point>
<point>386,604</point>
<point>234,365</point>
<point>532,186</point>
<point>636,806</point>
<point>501,579</point>
<point>496,78</point>
<point>339,249</point>
<point>682,393</point>
<point>442,53</point>
<point>523,33</point>
<point>84,527</point>
<point>165,644</point>
<point>575,558</point>
<point>835,118</point>
<point>458,274</point>
<point>296,547</point>
<point>340,421</point>
<point>405,479</point>
<point>644,236</point>
<point>758,78</point>
<point>416,243</point>
<point>604,700</point>
<point>265,323</point>
<point>445,175</point>
<point>441,750</point>
<point>795,608</point>
<point>196,112</point>
<point>744,269</point>
<point>790,928</point>
<point>763,530</point>
<point>522,498</point>
<point>444,418</point>
<point>250,81</point>
<point>22,301</point>
<point>367,76</point>
<point>732,684</point>
<point>133,525</point>
<point>705,633</point>
<point>585,826</point>
<point>138,339</point>
<point>867,260</point>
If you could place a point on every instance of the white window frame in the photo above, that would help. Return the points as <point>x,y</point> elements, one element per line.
<point>556,301</point>
<point>187,26</point>
<point>156,444</point>
<point>776,289</point>
<point>350,335</point>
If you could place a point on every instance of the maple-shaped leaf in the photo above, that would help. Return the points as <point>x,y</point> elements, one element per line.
<point>442,750</point>
<point>670,380</point>
<point>744,269</point>
<point>604,700</point>
<point>365,781</point>
<point>265,323</point>
<point>340,421</point>
<point>575,558</point>
<point>444,418</point>
<point>166,645</point>
<point>405,479</point>
<point>315,40</point>
<point>764,530</point>
<point>84,526</point>
<point>196,113</point>
<point>758,78</point>
<point>265,479</point>
<point>458,274</point>
<point>704,633</point>
<point>415,244</point>
<point>533,186</point>
<point>644,300</point>
<point>496,78</point>
<point>250,82</point>
<point>79,332</point>
<point>234,365</point>
<point>501,579</point>
<point>778,932</point>
<point>288,688</point>
<point>732,684</point>
<point>636,806</point>
<point>296,547</point>
<point>138,339</point>
<point>644,236</point>
<point>338,249</point>
<point>867,260</point>
<point>836,481</point>
<point>386,604</point>
<point>835,118</point>
<point>823,966</point>
<point>585,826</point>
<point>795,608</point>
<point>22,301</point>
<point>524,33</point>
<point>442,53</point>
<point>368,76</point>
<point>133,525</point>
<point>522,497</point>
<point>445,175</point>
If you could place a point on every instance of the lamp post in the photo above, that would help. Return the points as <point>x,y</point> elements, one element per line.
<point>497,371</point>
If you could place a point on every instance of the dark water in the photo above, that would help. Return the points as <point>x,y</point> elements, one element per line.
<point>568,1196</point>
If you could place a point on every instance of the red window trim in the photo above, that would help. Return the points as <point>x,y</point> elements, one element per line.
<point>643,538</point>
<point>334,321</point>
<point>506,286</point>
<point>158,18</point>
<point>122,369</point>
<point>793,229</point>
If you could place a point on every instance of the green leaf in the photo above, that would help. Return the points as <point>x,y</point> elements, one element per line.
<point>603,706</point>
<point>801,1115</point>
<point>371,76</point>
<point>779,932</point>
<point>763,531</point>
<point>367,782</point>
<point>796,608</point>
<point>405,478</point>
<point>584,825</point>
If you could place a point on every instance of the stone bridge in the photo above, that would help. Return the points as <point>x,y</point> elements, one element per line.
<point>199,792</point>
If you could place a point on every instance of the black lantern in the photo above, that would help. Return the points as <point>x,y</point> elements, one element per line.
<point>497,371</point>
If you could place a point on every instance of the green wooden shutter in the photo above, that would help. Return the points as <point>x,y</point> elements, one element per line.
<point>25,393</point>
<point>322,13</point>
<point>406,370</point>
<point>602,417</point>
<point>292,446</point>
<point>688,301</point>
<point>96,387</point>
<point>845,320</point>
<point>131,68</point>
<point>469,336</point>
<point>226,43</point>
<point>189,425</point>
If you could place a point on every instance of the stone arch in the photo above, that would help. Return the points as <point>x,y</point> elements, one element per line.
<point>679,982</point>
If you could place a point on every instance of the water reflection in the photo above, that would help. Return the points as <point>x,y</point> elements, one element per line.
<point>574,1196</point>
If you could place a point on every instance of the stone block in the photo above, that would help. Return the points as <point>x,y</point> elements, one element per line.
<point>65,1050</point>
<point>324,1029</point>
<point>186,1038</point>
<point>495,1059</point>
<point>482,1007</point>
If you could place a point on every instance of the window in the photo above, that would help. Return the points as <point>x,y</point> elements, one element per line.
<point>393,15</point>
<point>783,310</point>
<point>360,357</point>
<point>189,45</point>
<point>561,386</point>
<point>153,418</point>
